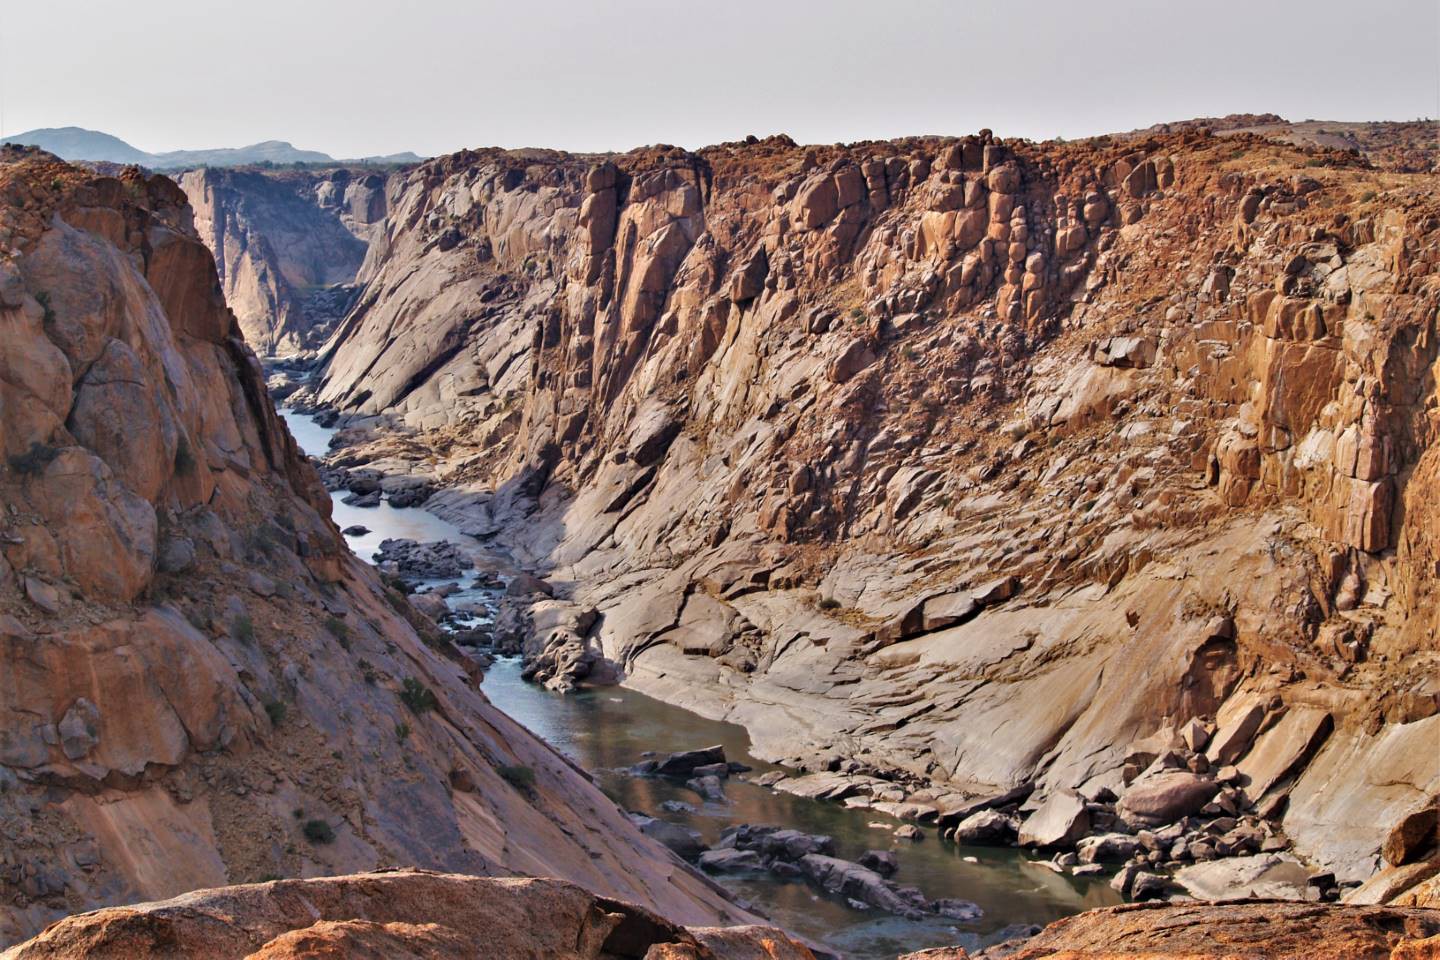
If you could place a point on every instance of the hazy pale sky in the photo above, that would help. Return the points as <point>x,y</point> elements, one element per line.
<point>367,77</point>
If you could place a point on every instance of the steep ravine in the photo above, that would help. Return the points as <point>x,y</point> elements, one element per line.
<point>287,245</point>
<point>951,466</point>
<point>199,684</point>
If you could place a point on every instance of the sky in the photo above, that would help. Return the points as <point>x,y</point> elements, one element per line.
<point>366,77</point>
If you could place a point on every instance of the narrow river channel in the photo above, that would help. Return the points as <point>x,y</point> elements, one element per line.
<point>607,730</point>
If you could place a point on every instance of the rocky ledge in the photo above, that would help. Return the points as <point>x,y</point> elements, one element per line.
<point>396,915</point>
<point>1257,930</point>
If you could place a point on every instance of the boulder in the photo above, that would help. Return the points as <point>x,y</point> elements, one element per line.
<point>1166,796</point>
<point>1417,834</point>
<point>1262,875</point>
<point>1107,848</point>
<point>1059,821</point>
<point>882,862</point>
<point>731,861</point>
<point>685,843</point>
<point>986,827</point>
<point>683,764</point>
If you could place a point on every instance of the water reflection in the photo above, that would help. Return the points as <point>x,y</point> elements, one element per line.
<point>607,730</point>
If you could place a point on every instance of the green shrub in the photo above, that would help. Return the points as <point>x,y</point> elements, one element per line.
<point>318,831</point>
<point>418,697</point>
<point>520,777</point>
<point>243,629</point>
<point>34,460</point>
<point>276,710</point>
<point>402,731</point>
<point>340,630</point>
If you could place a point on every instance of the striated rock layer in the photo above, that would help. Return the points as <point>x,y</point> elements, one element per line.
<point>402,914</point>
<point>286,245</point>
<point>199,683</point>
<point>968,464</point>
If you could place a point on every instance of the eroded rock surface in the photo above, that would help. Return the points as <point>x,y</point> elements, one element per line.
<point>881,449</point>
<point>400,914</point>
<point>199,683</point>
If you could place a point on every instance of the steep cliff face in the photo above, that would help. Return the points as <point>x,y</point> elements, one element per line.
<point>199,684</point>
<point>959,463</point>
<point>287,246</point>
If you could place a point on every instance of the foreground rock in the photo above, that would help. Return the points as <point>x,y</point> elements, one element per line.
<point>1262,931</point>
<point>401,914</point>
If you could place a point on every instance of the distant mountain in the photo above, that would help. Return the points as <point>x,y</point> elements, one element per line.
<point>77,143</point>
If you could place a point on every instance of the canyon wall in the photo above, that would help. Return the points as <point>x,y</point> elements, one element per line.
<point>286,245</point>
<point>958,464</point>
<point>199,683</point>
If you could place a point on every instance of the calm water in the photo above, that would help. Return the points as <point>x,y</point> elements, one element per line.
<point>607,730</point>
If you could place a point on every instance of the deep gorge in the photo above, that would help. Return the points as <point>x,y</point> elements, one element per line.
<point>1067,501</point>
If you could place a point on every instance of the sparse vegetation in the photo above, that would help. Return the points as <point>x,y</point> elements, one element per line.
<point>34,460</point>
<point>418,697</point>
<point>276,710</point>
<point>243,629</point>
<point>338,629</point>
<point>519,776</point>
<point>402,731</point>
<point>318,831</point>
<point>829,603</point>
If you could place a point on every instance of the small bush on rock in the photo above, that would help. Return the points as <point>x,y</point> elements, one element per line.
<point>520,777</point>
<point>318,831</point>
<point>418,697</point>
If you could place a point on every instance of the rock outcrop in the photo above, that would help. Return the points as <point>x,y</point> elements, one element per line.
<point>287,246</point>
<point>395,915</point>
<point>1121,447</point>
<point>1262,929</point>
<point>199,683</point>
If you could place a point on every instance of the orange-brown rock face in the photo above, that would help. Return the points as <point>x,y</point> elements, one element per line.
<point>917,441</point>
<point>395,915</point>
<point>1262,931</point>
<point>199,684</point>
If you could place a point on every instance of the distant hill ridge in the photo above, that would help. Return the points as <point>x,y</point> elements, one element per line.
<point>77,143</point>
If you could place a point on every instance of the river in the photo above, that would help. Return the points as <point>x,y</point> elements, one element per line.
<point>607,730</point>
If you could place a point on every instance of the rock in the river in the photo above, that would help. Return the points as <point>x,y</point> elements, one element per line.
<point>852,880</point>
<point>437,560</point>
<point>909,831</point>
<point>686,843</point>
<point>708,787</point>
<point>882,862</point>
<point>730,860</point>
<point>954,909</point>
<point>1059,821</point>
<point>356,530</point>
<point>683,764</point>
<point>987,827</point>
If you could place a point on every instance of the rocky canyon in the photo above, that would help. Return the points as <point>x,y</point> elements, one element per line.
<point>1074,498</point>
